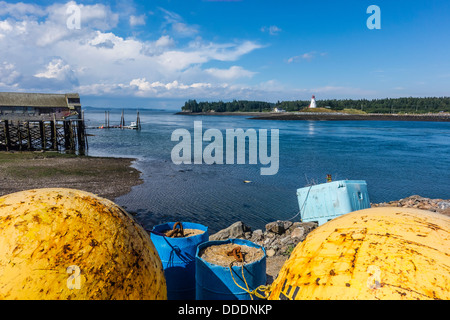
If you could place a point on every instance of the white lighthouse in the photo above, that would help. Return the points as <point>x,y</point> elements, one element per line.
<point>313,102</point>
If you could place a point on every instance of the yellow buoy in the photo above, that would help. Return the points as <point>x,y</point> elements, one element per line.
<point>71,244</point>
<point>377,253</point>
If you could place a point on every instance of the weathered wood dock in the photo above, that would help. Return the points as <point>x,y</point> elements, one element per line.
<point>134,125</point>
<point>33,121</point>
<point>65,135</point>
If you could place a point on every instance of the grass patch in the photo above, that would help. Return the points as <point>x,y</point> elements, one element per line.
<point>353,111</point>
<point>320,110</point>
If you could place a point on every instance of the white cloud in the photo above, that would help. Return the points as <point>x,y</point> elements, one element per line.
<point>8,74</point>
<point>305,56</point>
<point>143,85</point>
<point>272,30</point>
<point>5,26</point>
<point>43,54</point>
<point>178,26</point>
<point>57,69</point>
<point>97,16</point>
<point>231,73</point>
<point>308,56</point>
<point>137,20</point>
<point>20,10</point>
<point>104,40</point>
<point>157,47</point>
<point>200,53</point>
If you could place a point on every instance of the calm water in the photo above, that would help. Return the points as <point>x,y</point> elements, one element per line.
<point>396,159</point>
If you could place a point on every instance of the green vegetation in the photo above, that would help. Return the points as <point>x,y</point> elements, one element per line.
<point>353,111</point>
<point>233,106</point>
<point>388,105</point>
<point>321,110</point>
<point>289,250</point>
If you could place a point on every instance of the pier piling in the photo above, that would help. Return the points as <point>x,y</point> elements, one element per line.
<point>55,135</point>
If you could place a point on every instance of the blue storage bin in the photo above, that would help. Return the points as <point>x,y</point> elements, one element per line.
<point>214,282</point>
<point>178,258</point>
<point>323,202</point>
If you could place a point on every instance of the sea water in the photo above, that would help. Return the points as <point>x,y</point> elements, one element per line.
<point>396,159</point>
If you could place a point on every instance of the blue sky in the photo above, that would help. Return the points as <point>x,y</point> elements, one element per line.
<point>160,53</point>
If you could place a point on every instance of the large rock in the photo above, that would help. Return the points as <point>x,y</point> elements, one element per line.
<point>278,227</point>
<point>298,233</point>
<point>236,230</point>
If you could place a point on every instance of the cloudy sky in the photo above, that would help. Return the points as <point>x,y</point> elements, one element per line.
<point>161,52</point>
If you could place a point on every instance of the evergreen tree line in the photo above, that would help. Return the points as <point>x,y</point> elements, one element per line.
<point>233,106</point>
<point>388,105</point>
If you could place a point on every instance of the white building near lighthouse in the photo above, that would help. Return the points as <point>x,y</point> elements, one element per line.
<point>313,102</point>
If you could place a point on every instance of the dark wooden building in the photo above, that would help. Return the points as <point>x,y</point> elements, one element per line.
<point>41,121</point>
<point>39,106</point>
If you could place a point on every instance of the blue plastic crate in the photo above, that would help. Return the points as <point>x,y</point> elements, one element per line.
<point>323,202</point>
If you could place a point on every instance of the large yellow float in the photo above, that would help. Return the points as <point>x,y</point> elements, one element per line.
<point>378,253</point>
<point>70,244</point>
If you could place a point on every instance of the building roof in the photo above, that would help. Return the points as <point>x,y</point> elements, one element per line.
<point>20,99</point>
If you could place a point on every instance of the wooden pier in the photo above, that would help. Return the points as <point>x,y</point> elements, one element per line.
<point>134,125</point>
<point>55,135</point>
<point>38,121</point>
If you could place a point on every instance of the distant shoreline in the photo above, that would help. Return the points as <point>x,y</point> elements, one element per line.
<point>327,116</point>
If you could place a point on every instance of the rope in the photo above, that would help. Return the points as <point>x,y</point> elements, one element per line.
<point>303,205</point>
<point>236,252</point>
<point>176,232</point>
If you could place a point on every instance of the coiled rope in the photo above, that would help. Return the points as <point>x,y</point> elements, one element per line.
<point>265,290</point>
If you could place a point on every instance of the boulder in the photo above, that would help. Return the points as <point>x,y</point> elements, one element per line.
<point>298,232</point>
<point>257,235</point>
<point>236,230</point>
<point>277,227</point>
<point>270,252</point>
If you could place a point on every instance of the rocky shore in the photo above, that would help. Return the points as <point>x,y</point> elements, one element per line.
<point>327,116</point>
<point>281,237</point>
<point>342,116</point>
<point>434,205</point>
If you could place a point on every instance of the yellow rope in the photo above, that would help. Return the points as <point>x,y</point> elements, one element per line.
<point>264,289</point>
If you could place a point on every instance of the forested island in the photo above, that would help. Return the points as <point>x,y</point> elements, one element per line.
<point>407,105</point>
